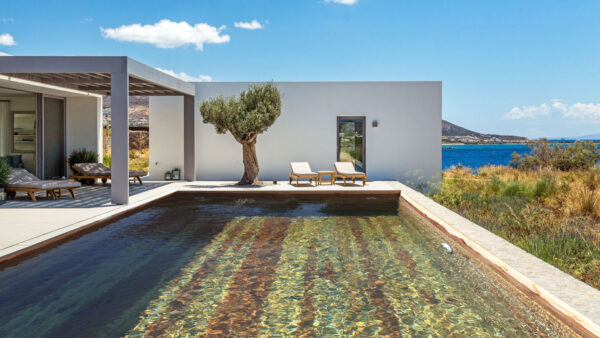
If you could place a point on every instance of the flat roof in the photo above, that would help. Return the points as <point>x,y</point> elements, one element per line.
<point>93,74</point>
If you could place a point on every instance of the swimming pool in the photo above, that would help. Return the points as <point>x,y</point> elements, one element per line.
<point>290,265</point>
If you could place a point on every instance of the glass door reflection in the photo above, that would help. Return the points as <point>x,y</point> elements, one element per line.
<point>351,141</point>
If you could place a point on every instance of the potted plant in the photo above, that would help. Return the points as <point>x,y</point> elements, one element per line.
<point>4,172</point>
<point>83,155</point>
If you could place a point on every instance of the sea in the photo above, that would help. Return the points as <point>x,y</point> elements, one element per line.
<point>478,155</point>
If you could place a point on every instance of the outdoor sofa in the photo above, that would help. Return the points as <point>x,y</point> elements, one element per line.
<point>99,170</point>
<point>345,170</point>
<point>301,170</point>
<point>22,180</point>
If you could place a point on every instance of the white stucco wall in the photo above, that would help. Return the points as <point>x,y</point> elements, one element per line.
<point>166,135</point>
<point>84,124</point>
<point>405,146</point>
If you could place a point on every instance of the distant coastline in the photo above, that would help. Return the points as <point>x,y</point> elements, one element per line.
<point>513,142</point>
<point>455,143</point>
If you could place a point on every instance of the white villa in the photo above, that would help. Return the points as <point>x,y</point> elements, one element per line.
<point>50,106</point>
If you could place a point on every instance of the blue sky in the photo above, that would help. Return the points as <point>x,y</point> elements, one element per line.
<point>529,68</point>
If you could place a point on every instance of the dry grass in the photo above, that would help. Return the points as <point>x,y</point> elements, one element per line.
<point>139,153</point>
<point>552,214</point>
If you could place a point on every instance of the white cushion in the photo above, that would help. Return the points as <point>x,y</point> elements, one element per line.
<point>347,169</point>
<point>302,169</point>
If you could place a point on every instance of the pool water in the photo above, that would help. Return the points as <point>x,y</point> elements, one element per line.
<point>194,265</point>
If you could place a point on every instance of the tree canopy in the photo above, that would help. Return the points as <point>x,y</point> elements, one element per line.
<point>578,155</point>
<point>246,116</point>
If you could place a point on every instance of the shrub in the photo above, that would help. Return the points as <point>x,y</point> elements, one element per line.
<point>579,155</point>
<point>4,172</point>
<point>515,189</point>
<point>495,185</point>
<point>568,252</point>
<point>83,155</point>
<point>582,200</point>
<point>106,160</point>
<point>544,187</point>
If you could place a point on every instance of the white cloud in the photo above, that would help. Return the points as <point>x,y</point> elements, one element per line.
<point>583,111</point>
<point>588,112</point>
<point>168,34</point>
<point>249,25</point>
<point>88,19</point>
<point>186,77</point>
<point>5,54</point>
<point>7,40</point>
<point>7,20</point>
<point>343,2</point>
<point>524,112</point>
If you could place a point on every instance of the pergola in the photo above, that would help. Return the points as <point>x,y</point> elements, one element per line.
<point>119,77</point>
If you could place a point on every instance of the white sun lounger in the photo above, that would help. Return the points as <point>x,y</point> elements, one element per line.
<point>301,170</point>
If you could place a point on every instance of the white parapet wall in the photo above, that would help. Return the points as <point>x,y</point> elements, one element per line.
<point>166,135</point>
<point>84,124</point>
<point>405,145</point>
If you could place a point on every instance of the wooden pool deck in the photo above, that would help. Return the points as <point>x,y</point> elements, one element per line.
<point>26,226</point>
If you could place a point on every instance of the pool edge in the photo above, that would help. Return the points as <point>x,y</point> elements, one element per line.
<point>581,323</point>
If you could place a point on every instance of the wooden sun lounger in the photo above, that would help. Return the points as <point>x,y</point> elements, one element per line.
<point>22,180</point>
<point>100,171</point>
<point>301,170</point>
<point>345,170</point>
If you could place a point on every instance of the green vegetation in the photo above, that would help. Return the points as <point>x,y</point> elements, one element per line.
<point>4,172</point>
<point>138,160</point>
<point>106,160</point>
<point>139,150</point>
<point>546,210</point>
<point>579,155</point>
<point>83,155</point>
<point>245,117</point>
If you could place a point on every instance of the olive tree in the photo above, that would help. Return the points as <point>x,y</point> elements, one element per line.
<point>245,117</point>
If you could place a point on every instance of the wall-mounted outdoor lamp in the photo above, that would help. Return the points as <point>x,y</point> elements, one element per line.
<point>374,123</point>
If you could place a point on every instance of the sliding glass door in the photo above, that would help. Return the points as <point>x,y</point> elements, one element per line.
<point>351,141</point>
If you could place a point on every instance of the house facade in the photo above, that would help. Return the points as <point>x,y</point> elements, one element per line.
<point>50,106</point>
<point>390,130</point>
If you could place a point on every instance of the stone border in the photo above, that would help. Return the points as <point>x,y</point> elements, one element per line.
<point>572,299</point>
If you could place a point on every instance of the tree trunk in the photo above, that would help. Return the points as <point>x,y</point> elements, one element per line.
<point>250,165</point>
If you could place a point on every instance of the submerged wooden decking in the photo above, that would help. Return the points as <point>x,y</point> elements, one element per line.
<point>26,225</point>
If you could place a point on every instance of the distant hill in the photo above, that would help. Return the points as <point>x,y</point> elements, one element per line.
<point>138,110</point>
<point>451,129</point>
<point>592,137</point>
<point>451,133</point>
